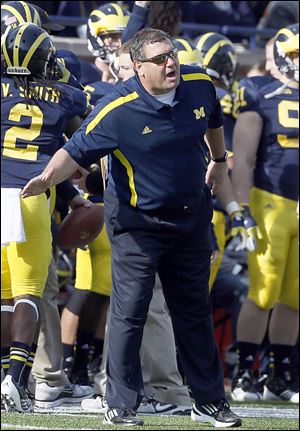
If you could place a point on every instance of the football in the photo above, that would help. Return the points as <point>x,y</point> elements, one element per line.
<point>81,226</point>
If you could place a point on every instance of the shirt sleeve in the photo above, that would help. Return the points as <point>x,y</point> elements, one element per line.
<point>97,137</point>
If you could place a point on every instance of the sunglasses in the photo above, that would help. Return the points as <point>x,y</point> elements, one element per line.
<point>161,58</point>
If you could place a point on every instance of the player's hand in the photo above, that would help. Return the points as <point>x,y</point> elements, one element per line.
<point>79,201</point>
<point>238,229</point>
<point>143,3</point>
<point>38,185</point>
<point>215,176</point>
<point>253,230</point>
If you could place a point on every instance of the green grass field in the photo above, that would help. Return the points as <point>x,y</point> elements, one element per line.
<point>275,416</point>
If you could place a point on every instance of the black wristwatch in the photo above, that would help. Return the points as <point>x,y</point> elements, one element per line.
<point>220,159</point>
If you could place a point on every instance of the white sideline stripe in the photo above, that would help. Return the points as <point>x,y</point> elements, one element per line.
<point>79,414</point>
<point>245,412</point>
<point>57,412</point>
<point>264,412</point>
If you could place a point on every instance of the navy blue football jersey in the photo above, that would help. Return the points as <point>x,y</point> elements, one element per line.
<point>31,128</point>
<point>248,91</point>
<point>277,162</point>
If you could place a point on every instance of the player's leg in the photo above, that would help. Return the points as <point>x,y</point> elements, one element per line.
<point>95,305</point>
<point>28,263</point>
<point>284,323</point>
<point>266,273</point>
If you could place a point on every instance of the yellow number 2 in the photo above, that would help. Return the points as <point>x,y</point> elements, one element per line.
<point>30,152</point>
<point>285,107</point>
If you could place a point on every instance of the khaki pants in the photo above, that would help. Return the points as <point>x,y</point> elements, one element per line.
<point>161,377</point>
<point>48,361</point>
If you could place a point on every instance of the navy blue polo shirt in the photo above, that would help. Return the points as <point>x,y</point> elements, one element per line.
<point>157,152</point>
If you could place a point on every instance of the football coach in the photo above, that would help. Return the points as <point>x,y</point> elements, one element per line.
<point>158,212</point>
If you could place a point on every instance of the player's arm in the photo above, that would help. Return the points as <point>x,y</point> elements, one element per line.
<point>226,198</point>
<point>137,20</point>
<point>246,137</point>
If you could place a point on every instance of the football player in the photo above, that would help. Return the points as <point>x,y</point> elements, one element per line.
<point>90,299</point>
<point>187,52</point>
<point>104,33</point>
<point>265,180</point>
<point>15,13</point>
<point>88,302</point>
<point>31,107</point>
<point>219,62</point>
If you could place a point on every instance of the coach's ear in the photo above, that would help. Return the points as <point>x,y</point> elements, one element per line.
<point>138,68</point>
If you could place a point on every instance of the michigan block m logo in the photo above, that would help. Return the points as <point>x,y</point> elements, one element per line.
<point>199,113</point>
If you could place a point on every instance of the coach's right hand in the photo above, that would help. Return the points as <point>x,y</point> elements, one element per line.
<point>215,176</point>
<point>39,184</point>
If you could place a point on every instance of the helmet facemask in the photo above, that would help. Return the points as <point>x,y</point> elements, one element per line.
<point>54,70</point>
<point>286,64</point>
<point>286,50</point>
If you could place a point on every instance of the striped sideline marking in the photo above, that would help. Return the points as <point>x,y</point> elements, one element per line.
<point>266,412</point>
<point>245,412</point>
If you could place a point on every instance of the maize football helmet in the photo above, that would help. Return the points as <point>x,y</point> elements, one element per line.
<point>106,20</point>
<point>28,50</point>
<point>219,57</point>
<point>286,48</point>
<point>15,13</point>
<point>187,52</point>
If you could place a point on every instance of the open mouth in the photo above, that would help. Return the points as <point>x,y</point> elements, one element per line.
<point>171,74</point>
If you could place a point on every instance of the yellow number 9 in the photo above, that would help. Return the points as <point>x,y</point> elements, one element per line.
<point>284,109</point>
<point>10,138</point>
